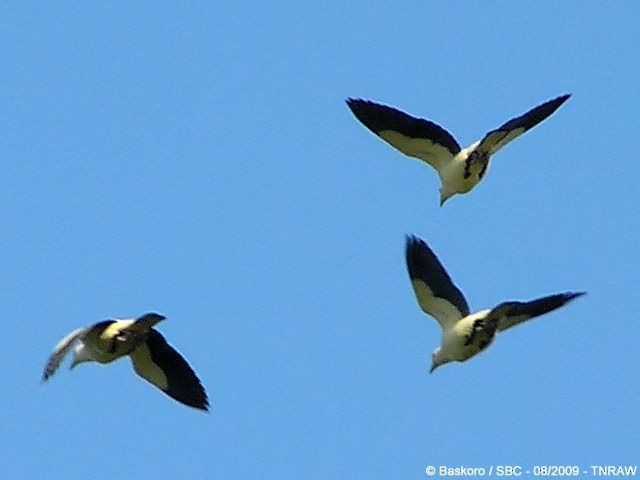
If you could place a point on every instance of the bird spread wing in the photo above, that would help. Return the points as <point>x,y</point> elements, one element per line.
<point>435,292</point>
<point>159,363</point>
<point>508,314</point>
<point>414,137</point>
<point>498,138</point>
<point>60,351</point>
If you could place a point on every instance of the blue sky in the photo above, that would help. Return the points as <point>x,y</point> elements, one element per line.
<point>199,161</point>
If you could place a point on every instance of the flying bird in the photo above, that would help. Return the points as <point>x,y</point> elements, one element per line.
<point>465,334</point>
<point>460,169</point>
<point>152,357</point>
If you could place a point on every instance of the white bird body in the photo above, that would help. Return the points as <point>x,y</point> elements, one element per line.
<point>452,175</point>
<point>453,339</point>
<point>97,344</point>
<point>459,169</point>
<point>152,357</point>
<point>465,334</point>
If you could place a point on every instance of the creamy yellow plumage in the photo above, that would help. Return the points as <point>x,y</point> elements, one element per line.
<point>459,169</point>
<point>465,334</point>
<point>152,357</point>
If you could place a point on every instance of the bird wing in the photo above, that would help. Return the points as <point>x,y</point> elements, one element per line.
<point>508,314</point>
<point>159,363</point>
<point>60,351</point>
<point>435,292</point>
<point>498,138</point>
<point>415,137</point>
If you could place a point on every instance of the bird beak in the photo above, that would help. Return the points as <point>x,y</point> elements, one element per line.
<point>433,367</point>
<point>74,363</point>
<point>444,198</point>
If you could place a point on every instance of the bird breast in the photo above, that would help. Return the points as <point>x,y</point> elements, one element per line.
<point>113,342</point>
<point>460,175</point>
<point>469,336</point>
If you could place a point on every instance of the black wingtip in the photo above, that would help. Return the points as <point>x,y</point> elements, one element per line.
<point>536,115</point>
<point>410,239</point>
<point>187,388</point>
<point>550,106</point>
<point>358,107</point>
<point>569,296</point>
<point>561,99</point>
<point>415,248</point>
<point>421,260</point>
<point>552,302</point>
<point>199,404</point>
<point>414,242</point>
<point>191,393</point>
<point>372,115</point>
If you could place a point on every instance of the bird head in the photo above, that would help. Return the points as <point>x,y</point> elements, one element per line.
<point>445,195</point>
<point>80,354</point>
<point>437,359</point>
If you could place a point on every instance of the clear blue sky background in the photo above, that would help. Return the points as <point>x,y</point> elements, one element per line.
<point>199,161</point>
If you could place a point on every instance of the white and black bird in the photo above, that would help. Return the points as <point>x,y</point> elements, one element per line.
<point>460,169</point>
<point>152,357</point>
<point>465,334</point>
